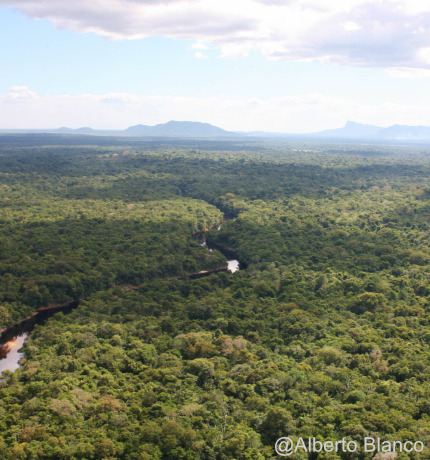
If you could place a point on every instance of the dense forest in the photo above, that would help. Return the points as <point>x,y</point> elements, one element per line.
<point>325,333</point>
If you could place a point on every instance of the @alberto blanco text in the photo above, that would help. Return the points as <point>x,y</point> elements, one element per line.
<point>286,446</point>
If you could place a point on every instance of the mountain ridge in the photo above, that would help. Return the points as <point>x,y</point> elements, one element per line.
<point>352,131</point>
<point>362,131</point>
<point>178,128</point>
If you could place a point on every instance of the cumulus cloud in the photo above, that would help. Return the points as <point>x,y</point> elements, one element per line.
<point>199,46</point>
<point>200,55</point>
<point>387,33</point>
<point>20,92</point>
<point>408,73</point>
<point>303,113</point>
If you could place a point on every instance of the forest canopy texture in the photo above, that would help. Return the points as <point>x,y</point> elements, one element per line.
<point>325,333</point>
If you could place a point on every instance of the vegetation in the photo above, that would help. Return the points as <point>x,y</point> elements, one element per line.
<point>325,334</point>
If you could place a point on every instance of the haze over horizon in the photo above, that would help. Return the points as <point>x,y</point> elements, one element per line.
<point>297,67</point>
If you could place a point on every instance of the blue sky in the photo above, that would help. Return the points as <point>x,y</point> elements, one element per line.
<point>290,66</point>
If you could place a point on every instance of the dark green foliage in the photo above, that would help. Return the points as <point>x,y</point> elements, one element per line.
<point>326,333</point>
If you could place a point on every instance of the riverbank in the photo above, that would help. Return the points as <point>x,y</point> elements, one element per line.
<point>41,314</point>
<point>22,329</point>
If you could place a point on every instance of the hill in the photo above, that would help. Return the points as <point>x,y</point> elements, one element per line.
<point>179,129</point>
<point>353,130</point>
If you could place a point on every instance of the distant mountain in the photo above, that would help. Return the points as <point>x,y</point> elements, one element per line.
<point>178,129</point>
<point>403,132</point>
<point>63,129</point>
<point>351,130</point>
<point>85,130</point>
<point>192,129</point>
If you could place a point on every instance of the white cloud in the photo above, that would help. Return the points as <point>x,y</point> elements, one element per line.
<point>199,46</point>
<point>200,55</point>
<point>386,33</point>
<point>351,26</point>
<point>303,113</point>
<point>408,73</point>
<point>20,92</point>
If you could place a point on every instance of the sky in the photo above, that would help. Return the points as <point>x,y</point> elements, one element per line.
<point>244,65</point>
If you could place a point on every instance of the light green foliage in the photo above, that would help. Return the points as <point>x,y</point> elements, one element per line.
<point>326,333</point>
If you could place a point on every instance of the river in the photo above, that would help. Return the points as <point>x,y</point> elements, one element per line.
<point>10,353</point>
<point>232,264</point>
<point>12,340</point>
